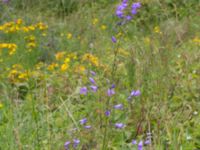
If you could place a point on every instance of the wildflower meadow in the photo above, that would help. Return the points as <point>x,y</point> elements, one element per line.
<point>99,75</point>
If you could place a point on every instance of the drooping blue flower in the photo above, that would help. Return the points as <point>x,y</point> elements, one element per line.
<point>112,86</point>
<point>76,142</point>
<point>87,127</point>
<point>107,113</point>
<point>94,88</point>
<point>110,92</point>
<point>140,145</point>
<point>135,93</point>
<point>119,125</point>
<point>134,11</point>
<point>92,80</point>
<point>67,143</point>
<point>147,142</point>
<point>83,121</point>
<point>136,5</point>
<point>83,90</point>
<point>129,17</point>
<point>114,40</point>
<point>118,106</point>
<point>119,13</point>
<point>134,142</point>
<point>93,73</point>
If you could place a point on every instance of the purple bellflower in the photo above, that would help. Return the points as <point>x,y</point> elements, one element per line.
<point>94,88</point>
<point>83,90</point>
<point>83,121</point>
<point>119,125</point>
<point>118,106</point>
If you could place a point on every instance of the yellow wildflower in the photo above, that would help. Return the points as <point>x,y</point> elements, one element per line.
<point>1,105</point>
<point>52,66</point>
<point>69,36</point>
<point>91,59</point>
<point>157,30</point>
<point>64,67</point>
<point>95,21</point>
<point>19,21</point>
<point>80,69</point>
<point>103,27</point>
<point>59,55</point>
<point>67,60</point>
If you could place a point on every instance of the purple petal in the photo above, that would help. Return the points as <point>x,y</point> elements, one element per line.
<point>118,106</point>
<point>128,17</point>
<point>119,125</point>
<point>134,142</point>
<point>114,40</point>
<point>110,92</point>
<point>134,11</point>
<point>147,142</point>
<point>87,127</point>
<point>140,145</point>
<point>83,90</point>
<point>92,80</point>
<point>136,5</point>
<point>93,73</point>
<point>67,143</point>
<point>83,121</point>
<point>135,93</point>
<point>76,142</point>
<point>107,113</point>
<point>94,88</point>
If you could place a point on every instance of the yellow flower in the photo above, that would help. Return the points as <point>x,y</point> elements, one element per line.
<point>41,26</point>
<point>196,40</point>
<point>59,55</point>
<point>91,59</point>
<point>23,75</point>
<point>80,69</point>
<point>103,27</point>
<point>1,105</point>
<point>67,60</point>
<point>19,21</point>
<point>157,30</point>
<point>52,66</point>
<point>95,21</point>
<point>64,67</point>
<point>69,36</point>
<point>31,45</point>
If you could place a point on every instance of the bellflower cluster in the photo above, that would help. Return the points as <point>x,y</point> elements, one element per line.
<point>75,144</point>
<point>123,12</point>
<point>134,93</point>
<point>141,143</point>
<point>111,91</point>
<point>93,87</point>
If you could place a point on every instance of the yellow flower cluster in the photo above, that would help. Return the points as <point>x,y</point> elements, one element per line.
<point>17,74</point>
<point>93,60</point>
<point>14,26</point>
<point>10,46</point>
<point>63,59</point>
<point>31,42</point>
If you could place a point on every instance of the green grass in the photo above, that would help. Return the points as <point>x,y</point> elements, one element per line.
<point>42,111</point>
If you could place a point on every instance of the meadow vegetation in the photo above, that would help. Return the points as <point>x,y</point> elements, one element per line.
<point>78,74</point>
